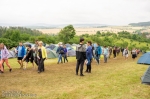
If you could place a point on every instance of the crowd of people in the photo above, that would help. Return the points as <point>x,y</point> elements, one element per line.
<point>25,54</point>
<point>85,54</point>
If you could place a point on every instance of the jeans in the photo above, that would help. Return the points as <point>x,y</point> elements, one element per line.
<point>41,65</point>
<point>105,58</point>
<point>97,58</point>
<point>80,63</point>
<point>89,65</point>
<point>60,58</point>
<point>65,58</point>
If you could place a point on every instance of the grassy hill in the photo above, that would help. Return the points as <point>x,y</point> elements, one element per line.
<point>140,24</point>
<point>117,79</point>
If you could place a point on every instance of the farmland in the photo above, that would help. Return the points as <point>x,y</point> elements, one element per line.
<point>92,30</point>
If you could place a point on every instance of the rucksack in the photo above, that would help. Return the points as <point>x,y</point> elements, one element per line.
<point>126,52</point>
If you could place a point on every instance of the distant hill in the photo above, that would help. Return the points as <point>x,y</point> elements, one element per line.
<point>50,26</point>
<point>140,24</point>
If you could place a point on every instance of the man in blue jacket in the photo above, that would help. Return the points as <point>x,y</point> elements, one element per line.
<point>60,52</point>
<point>21,52</point>
<point>98,53</point>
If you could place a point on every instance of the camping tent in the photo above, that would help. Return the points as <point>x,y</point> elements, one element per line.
<point>74,47</point>
<point>27,43</point>
<point>55,49</point>
<point>71,52</point>
<point>51,53</point>
<point>68,45</point>
<point>144,59</point>
<point>12,54</point>
<point>146,77</point>
<point>52,46</point>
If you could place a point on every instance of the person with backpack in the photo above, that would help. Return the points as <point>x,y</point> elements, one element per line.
<point>4,57</point>
<point>29,56</point>
<point>126,53</point>
<point>65,53</point>
<point>89,56</point>
<point>60,52</point>
<point>98,52</point>
<point>21,52</point>
<point>80,56</point>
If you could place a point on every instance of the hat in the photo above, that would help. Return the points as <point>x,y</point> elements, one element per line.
<point>29,46</point>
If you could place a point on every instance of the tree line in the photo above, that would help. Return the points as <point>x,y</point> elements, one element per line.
<point>12,35</point>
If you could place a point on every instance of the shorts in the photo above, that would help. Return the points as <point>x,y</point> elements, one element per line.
<point>126,55</point>
<point>29,60</point>
<point>20,58</point>
<point>134,56</point>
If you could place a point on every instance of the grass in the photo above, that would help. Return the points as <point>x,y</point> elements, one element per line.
<point>117,79</point>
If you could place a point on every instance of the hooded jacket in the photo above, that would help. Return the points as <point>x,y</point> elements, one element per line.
<point>80,52</point>
<point>4,53</point>
<point>98,50</point>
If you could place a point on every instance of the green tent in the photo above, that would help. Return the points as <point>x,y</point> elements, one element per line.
<point>55,49</point>
<point>51,53</point>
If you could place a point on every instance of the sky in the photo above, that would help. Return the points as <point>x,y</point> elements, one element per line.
<point>109,12</point>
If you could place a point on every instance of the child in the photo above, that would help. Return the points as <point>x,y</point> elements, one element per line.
<point>29,56</point>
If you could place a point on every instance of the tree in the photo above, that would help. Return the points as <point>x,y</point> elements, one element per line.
<point>15,36</point>
<point>67,33</point>
<point>24,36</point>
<point>98,33</point>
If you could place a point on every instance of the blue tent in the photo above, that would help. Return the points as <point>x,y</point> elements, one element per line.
<point>146,77</point>
<point>144,59</point>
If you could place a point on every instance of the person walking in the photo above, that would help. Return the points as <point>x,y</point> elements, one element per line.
<point>134,53</point>
<point>65,54</point>
<point>41,55</point>
<point>4,57</point>
<point>98,52</point>
<point>105,53</point>
<point>126,53</point>
<point>29,57</point>
<point>21,52</point>
<point>35,52</point>
<point>1,64</point>
<point>60,52</point>
<point>110,51</point>
<point>80,56</point>
<point>114,52</point>
<point>89,56</point>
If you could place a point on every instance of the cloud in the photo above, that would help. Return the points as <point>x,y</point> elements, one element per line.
<point>114,12</point>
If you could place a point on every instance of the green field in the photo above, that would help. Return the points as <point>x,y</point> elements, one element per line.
<point>117,79</point>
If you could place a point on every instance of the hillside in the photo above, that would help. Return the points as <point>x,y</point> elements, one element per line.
<point>140,24</point>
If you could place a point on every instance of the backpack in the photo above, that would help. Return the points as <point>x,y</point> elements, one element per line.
<point>126,52</point>
<point>62,52</point>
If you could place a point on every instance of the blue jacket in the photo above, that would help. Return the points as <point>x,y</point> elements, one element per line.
<point>98,50</point>
<point>59,49</point>
<point>89,52</point>
<point>23,51</point>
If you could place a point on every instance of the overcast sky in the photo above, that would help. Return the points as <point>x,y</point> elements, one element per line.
<point>110,12</point>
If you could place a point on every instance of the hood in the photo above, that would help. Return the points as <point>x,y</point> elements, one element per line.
<point>80,45</point>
